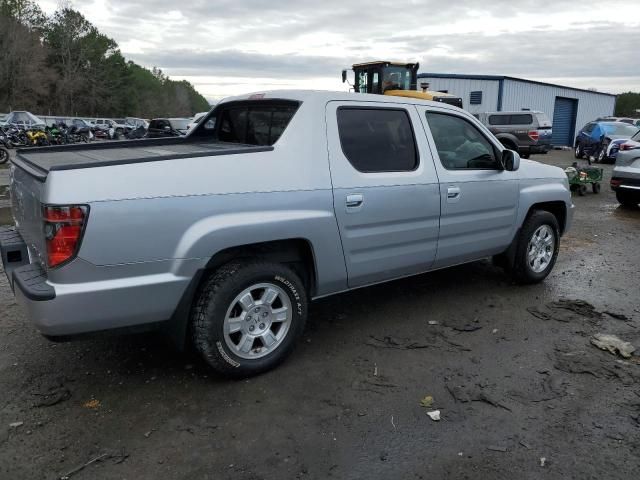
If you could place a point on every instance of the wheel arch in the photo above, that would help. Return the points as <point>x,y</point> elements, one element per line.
<point>297,252</point>
<point>557,208</point>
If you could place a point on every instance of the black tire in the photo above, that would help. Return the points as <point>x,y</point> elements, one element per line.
<point>216,297</point>
<point>602,154</point>
<point>595,187</point>
<point>578,152</point>
<point>627,199</point>
<point>582,190</point>
<point>522,272</point>
<point>4,155</point>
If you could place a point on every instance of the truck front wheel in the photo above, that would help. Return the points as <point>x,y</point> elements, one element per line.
<point>537,248</point>
<point>248,317</point>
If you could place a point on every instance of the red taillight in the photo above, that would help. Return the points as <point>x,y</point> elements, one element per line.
<point>534,135</point>
<point>615,183</point>
<point>628,146</point>
<point>63,226</point>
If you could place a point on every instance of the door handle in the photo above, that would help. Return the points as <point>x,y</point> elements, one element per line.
<point>354,200</point>
<point>453,192</point>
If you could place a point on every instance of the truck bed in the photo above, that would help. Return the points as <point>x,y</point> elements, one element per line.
<point>40,161</point>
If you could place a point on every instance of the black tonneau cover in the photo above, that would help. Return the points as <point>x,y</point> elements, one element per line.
<point>40,161</point>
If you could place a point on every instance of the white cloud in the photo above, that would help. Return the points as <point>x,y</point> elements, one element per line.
<point>233,46</point>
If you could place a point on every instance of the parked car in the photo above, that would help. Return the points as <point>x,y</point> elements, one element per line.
<point>83,127</point>
<point>24,119</point>
<point>135,123</point>
<point>625,178</point>
<point>196,118</point>
<point>631,144</point>
<point>221,237</point>
<point>601,140</point>
<point>110,124</point>
<point>167,127</point>
<point>527,132</point>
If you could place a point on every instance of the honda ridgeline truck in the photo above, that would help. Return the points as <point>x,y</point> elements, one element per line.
<point>222,237</point>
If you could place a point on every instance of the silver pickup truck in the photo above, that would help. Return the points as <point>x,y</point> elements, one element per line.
<point>221,238</point>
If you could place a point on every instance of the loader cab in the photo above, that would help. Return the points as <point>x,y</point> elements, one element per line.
<point>381,77</point>
<point>397,79</point>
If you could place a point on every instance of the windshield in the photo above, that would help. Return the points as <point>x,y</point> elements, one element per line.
<point>620,129</point>
<point>179,123</point>
<point>396,78</point>
<point>636,137</point>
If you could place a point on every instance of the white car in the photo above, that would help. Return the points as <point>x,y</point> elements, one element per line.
<point>196,118</point>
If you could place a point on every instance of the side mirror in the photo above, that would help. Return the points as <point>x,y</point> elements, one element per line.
<point>344,76</point>
<point>510,160</point>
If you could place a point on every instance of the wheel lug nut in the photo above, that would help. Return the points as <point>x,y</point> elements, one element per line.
<point>252,328</point>
<point>262,325</point>
<point>264,315</point>
<point>248,318</point>
<point>257,310</point>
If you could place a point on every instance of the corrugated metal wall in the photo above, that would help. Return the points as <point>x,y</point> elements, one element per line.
<point>591,105</point>
<point>464,87</point>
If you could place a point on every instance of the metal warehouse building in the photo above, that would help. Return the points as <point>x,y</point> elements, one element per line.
<point>569,108</point>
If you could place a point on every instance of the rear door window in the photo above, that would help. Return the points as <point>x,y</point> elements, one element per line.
<point>377,139</point>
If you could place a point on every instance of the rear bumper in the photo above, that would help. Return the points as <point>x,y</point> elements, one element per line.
<point>533,149</point>
<point>29,279</point>
<point>624,183</point>
<point>108,298</point>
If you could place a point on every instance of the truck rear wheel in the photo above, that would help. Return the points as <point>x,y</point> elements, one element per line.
<point>248,317</point>
<point>537,248</point>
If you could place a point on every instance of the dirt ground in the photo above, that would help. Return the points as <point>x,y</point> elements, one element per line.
<point>513,374</point>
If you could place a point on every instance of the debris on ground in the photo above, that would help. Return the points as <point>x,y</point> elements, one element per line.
<point>543,460</point>
<point>613,344</point>
<point>92,404</point>
<point>473,393</point>
<point>433,322</point>
<point>394,342</point>
<point>617,316</point>
<point>469,327</point>
<point>16,424</point>
<point>565,310</point>
<point>53,396</point>
<point>427,401</point>
<point>79,468</point>
<point>497,448</point>
<point>434,415</point>
<point>584,363</point>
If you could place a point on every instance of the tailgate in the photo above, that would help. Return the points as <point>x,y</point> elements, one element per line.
<point>26,207</point>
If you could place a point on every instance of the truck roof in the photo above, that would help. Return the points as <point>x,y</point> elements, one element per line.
<point>324,96</point>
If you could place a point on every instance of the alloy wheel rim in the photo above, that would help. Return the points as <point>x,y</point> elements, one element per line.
<point>257,321</point>
<point>541,248</point>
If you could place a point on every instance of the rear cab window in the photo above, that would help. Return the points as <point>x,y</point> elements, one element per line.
<point>259,123</point>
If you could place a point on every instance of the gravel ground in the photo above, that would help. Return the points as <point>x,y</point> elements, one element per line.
<point>513,374</point>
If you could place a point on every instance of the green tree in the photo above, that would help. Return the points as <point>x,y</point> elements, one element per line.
<point>628,104</point>
<point>63,65</point>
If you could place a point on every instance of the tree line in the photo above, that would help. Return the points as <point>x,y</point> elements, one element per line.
<point>628,105</point>
<point>62,65</point>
